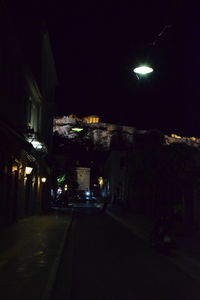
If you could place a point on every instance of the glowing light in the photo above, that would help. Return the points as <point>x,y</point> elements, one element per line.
<point>61,179</point>
<point>43,179</point>
<point>14,168</point>
<point>193,139</point>
<point>175,136</point>
<point>100,180</point>
<point>77,129</point>
<point>59,191</point>
<point>28,170</point>
<point>143,70</point>
<point>65,187</point>
<point>36,144</point>
<point>91,119</point>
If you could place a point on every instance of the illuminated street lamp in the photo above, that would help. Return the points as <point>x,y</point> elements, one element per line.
<point>28,170</point>
<point>43,179</point>
<point>143,70</point>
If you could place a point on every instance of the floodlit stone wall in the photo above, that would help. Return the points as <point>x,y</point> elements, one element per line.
<point>99,133</point>
<point>191,141</point>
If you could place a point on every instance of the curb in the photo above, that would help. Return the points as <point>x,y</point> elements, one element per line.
<point>132,228</point>
<point>53,272</point>
<point>186,264</point>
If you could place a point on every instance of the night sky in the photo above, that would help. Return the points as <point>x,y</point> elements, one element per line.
<point>97,44</point>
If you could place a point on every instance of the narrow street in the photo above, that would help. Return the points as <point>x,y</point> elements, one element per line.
<point>103,260</point>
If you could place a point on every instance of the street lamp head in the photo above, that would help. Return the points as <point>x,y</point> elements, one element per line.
<point>43,179</point>
<point>143,70</point>
<point>28,170</point>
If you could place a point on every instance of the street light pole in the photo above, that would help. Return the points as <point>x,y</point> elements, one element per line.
<point>143,70</point>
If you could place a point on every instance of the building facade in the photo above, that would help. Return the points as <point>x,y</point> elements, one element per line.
<point>83,178</point>
<point>27,87</point>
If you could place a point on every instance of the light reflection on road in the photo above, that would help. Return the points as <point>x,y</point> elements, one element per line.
<point>79,205</point>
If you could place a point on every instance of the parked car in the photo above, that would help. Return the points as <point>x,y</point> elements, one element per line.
<point>84,196</point>
<point>62,200</point>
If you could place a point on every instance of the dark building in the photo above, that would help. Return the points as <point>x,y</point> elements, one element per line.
<point>160,176</point>
<point>27,86</point>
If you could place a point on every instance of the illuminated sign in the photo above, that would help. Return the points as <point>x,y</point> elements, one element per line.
<point>77,129</point>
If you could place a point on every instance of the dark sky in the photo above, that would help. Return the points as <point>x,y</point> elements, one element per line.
<point>97,44</point>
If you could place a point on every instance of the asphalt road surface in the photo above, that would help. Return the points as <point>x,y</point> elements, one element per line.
<point>104,261</point>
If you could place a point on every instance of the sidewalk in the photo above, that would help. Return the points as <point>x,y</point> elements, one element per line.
<point>186,254</point>
<point>29,255</point>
